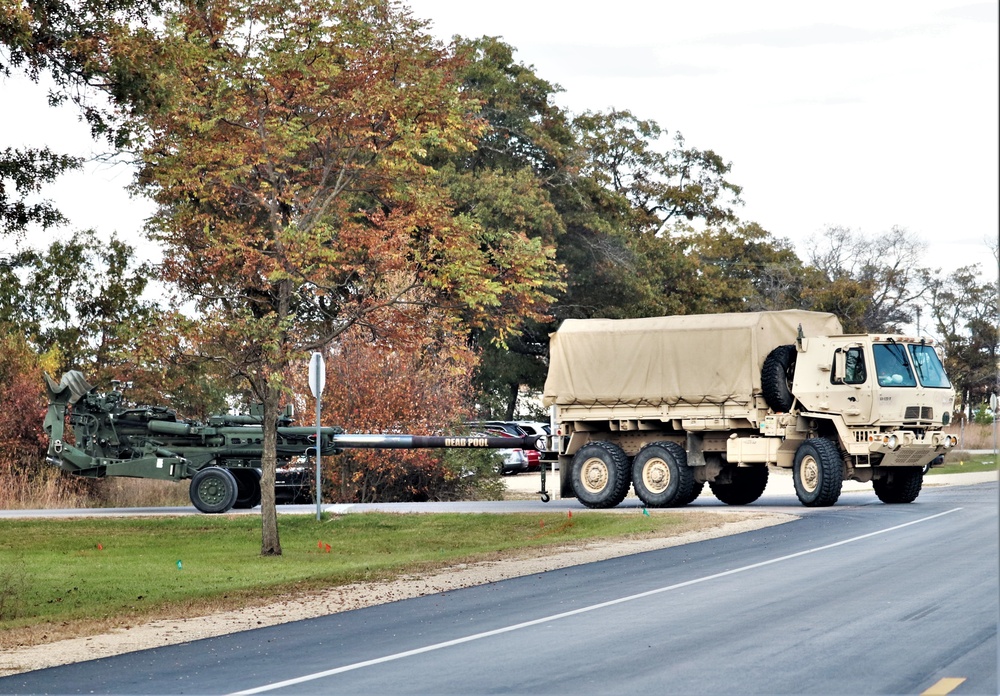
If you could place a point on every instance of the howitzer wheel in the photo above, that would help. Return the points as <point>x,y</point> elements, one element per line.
<point>213,490</point>
<point>247,488</point>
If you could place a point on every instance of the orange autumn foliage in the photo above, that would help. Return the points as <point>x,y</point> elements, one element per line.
<point>378,384</point>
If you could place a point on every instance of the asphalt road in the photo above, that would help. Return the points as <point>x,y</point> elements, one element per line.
<point>860,598</point>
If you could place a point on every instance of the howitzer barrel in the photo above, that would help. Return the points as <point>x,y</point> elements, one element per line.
<point>169,427</point>
<point>431,442</point>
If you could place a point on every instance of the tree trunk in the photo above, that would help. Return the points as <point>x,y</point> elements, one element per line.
<point>270,545</point>
<point>515,389</point>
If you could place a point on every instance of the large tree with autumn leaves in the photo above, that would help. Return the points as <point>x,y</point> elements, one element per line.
<point>287,157</point>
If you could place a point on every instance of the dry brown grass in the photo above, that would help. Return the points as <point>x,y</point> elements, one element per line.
<point>129,492</point>
<point>50,489</point>
<point>46,488</point>
<point>972,436</point>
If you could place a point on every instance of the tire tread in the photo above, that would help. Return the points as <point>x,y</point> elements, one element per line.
<point>774,378</point>
<point>687,488</point>
<point>831,478</point>
<point>619,474</point>
<point>900,487</point>
<point>747,486</point>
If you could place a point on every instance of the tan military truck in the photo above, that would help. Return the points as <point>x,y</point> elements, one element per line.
<point>668,404</point>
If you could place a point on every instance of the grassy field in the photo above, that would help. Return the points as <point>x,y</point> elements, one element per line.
<point>79,576</point>
<point>963,462</point>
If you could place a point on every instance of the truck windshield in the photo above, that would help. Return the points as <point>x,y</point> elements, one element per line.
<point>893,365</point>
<point>928,366</point>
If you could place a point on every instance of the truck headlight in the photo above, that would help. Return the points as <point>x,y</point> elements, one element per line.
<point>891,441</point>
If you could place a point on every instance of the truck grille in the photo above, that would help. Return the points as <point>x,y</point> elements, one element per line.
<point>919,413</point>
<point>864,435</point>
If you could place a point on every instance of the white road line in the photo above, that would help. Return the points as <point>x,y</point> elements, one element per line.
<point>575,612</point>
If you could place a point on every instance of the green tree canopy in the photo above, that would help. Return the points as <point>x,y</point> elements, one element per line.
<point>78,45</point>
<point>81,298</point>
<point>23,173</point>
<point>966,316</point>
<point>605,188</point>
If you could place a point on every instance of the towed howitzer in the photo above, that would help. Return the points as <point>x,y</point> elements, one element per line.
<point>221,457</point>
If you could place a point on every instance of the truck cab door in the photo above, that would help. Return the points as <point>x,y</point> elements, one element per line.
<point>851,384</point>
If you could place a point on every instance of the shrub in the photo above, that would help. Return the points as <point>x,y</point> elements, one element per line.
<point>982,415</point>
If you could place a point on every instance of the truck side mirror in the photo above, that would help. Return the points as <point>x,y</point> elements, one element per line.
<point>839,367</point>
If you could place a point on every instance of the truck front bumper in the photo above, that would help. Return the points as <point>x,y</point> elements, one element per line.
<point>906,448</point>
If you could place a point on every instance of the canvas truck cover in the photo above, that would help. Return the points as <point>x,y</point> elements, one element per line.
<point>694,359</point>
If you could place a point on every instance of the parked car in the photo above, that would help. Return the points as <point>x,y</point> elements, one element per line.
<point>515,459</point>
<point>502,426</point>
<point>532,427</point>
<point>512,430</point>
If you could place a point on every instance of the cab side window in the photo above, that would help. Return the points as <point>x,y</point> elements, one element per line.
<point>854,367</point>
<point>855,372</point>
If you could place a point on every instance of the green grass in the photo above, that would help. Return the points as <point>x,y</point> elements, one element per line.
<point>115,570</point>
<point>959,463</point>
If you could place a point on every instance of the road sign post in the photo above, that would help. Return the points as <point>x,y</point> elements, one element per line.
<point>317,380</point>
<point>993,408</point>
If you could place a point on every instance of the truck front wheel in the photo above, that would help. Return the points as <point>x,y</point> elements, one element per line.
<point>818,473</point>
<point>662,477</point>
<point>600,475</point>
<point>899,485</point>
<point>746,485</point>
<point>213,489</point>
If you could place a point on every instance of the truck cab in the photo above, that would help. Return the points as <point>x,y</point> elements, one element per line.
<point>872,387</point>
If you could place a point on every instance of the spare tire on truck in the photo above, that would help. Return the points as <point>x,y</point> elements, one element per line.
<point>776,378</point>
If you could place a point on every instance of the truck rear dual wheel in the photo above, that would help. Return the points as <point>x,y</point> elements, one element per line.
<point>818,473</point>
<point>600,475</point>
<point>747,483</point>
<point>662,477</point>
<point>899,485</point>
<point>213,490</point>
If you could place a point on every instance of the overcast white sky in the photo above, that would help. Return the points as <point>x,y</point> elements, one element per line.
<point>864,114</point>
